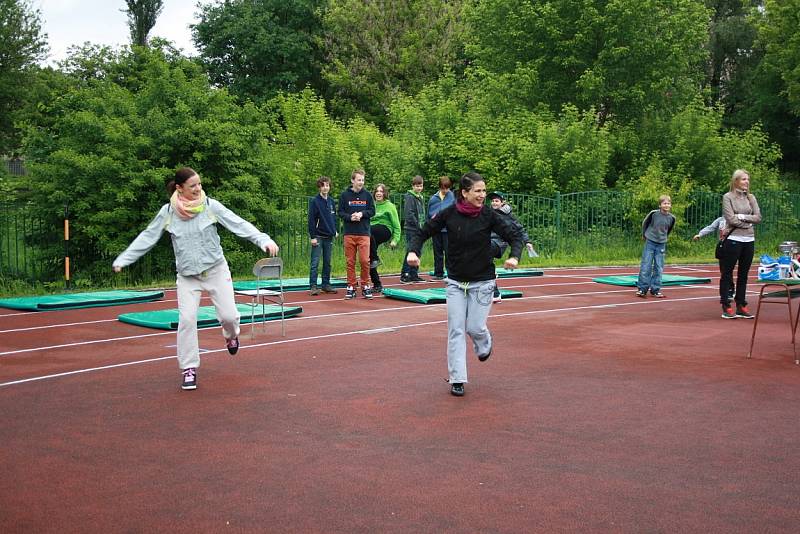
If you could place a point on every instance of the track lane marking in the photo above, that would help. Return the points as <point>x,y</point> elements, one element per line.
<point>361,332</point>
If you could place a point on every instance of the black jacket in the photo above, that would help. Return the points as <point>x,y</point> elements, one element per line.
<point>469,248</point>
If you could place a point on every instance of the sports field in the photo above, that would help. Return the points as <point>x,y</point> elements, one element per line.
<point>597,412</point>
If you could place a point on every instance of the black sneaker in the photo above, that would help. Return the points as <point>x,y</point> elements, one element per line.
<point>642,294</point>
<point>457,389</point>
<point>404,279</point>
<point>350,293</point>
<point>367,292</point>
<point>727,312</point>
<point>417,279</point>
<point>484,357</point>
<point>233,345</point>
<point>377,289</point>
<point>437,277</point>
<point>328,289</point>
<point>189,378</point>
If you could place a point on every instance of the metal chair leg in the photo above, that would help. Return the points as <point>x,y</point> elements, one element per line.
<point>793,318</point>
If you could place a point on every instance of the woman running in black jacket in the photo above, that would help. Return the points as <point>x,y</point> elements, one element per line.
<point>470,271</point>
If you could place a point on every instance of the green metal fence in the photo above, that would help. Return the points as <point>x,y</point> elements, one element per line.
<point>33,249</point>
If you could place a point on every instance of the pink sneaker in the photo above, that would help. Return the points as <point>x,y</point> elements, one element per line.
<point>189,378</point>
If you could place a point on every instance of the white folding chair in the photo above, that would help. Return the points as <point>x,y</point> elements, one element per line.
<point>266,269</point>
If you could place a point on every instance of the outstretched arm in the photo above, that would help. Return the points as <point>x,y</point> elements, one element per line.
<point>242,228</point>
<point>144,242</point>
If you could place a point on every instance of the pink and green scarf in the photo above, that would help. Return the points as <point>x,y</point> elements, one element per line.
<point>187,209</point>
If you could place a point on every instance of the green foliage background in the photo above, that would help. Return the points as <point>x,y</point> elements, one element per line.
<point>543,98</point>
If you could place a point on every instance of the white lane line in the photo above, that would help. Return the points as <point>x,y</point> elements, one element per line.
<point>60,325</point>
<point>343,314</point>
<point>80,343</point>
<point>81,371</point>
<point>354,332</point>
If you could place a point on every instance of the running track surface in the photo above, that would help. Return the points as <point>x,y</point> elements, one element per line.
<point>597,412</point>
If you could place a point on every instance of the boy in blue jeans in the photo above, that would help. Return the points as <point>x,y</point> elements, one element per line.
<point>656,228</point>
<point>322,231</point>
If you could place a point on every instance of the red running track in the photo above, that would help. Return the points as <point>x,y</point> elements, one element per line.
<point>598,411</point>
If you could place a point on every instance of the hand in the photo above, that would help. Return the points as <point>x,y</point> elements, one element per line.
<point>741,216</point>
<point>412,259</point>
<point>510,263</point>
<point>695,238</point>
<point>117,269</point>
<point>271,248</point>
<point>314,242</point>
<point>355,217</point>
<point>530,248</point>
<point>393,245</point>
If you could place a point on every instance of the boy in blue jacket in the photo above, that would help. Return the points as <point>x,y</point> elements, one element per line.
<point>322,231</point>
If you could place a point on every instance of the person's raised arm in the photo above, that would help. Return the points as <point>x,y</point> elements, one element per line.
<point>242,228</point>
<point>144,242</point>
<point>416,238</point>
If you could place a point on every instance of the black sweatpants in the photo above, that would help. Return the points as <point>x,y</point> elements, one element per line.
<point>378,235</point>
<point>734,252</point>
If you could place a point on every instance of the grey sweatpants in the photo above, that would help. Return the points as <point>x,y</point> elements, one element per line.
<point>468,306</point>
<point>217,282</point>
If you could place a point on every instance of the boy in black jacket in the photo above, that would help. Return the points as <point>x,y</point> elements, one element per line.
<point>356,206</point>
<point>413,219</point>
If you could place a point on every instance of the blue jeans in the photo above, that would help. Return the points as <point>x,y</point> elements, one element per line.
<point>324,247</point>
<point>652,266</point>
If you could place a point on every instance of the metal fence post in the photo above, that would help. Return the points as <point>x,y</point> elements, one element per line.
<point>66,246</point>
<point>558,220</point>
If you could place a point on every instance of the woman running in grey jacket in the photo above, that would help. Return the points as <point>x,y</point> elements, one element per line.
<point>190,218</point>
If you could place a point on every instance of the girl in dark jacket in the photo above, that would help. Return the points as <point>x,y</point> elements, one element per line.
<point>470,271</point>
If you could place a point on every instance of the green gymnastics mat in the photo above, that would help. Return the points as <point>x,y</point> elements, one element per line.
<point>794,292</point>
<point>289,284</point>
<point>666,280</point>
<point>206,316</point>
<point>69,301</point>
<point>434,295</point>
<point>510,273</point>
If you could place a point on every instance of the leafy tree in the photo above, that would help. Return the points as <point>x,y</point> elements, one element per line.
<point>22,44</point>
<point>257,48</point>
<point>142,16</point>
<point>624,58</point>
<point>731,46</point>
<point>693,146</point>
<point>775,84</point>
<point>379,49</point>
<point>114,137</point>
<point>778,31</point>
<point>453,126</point>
